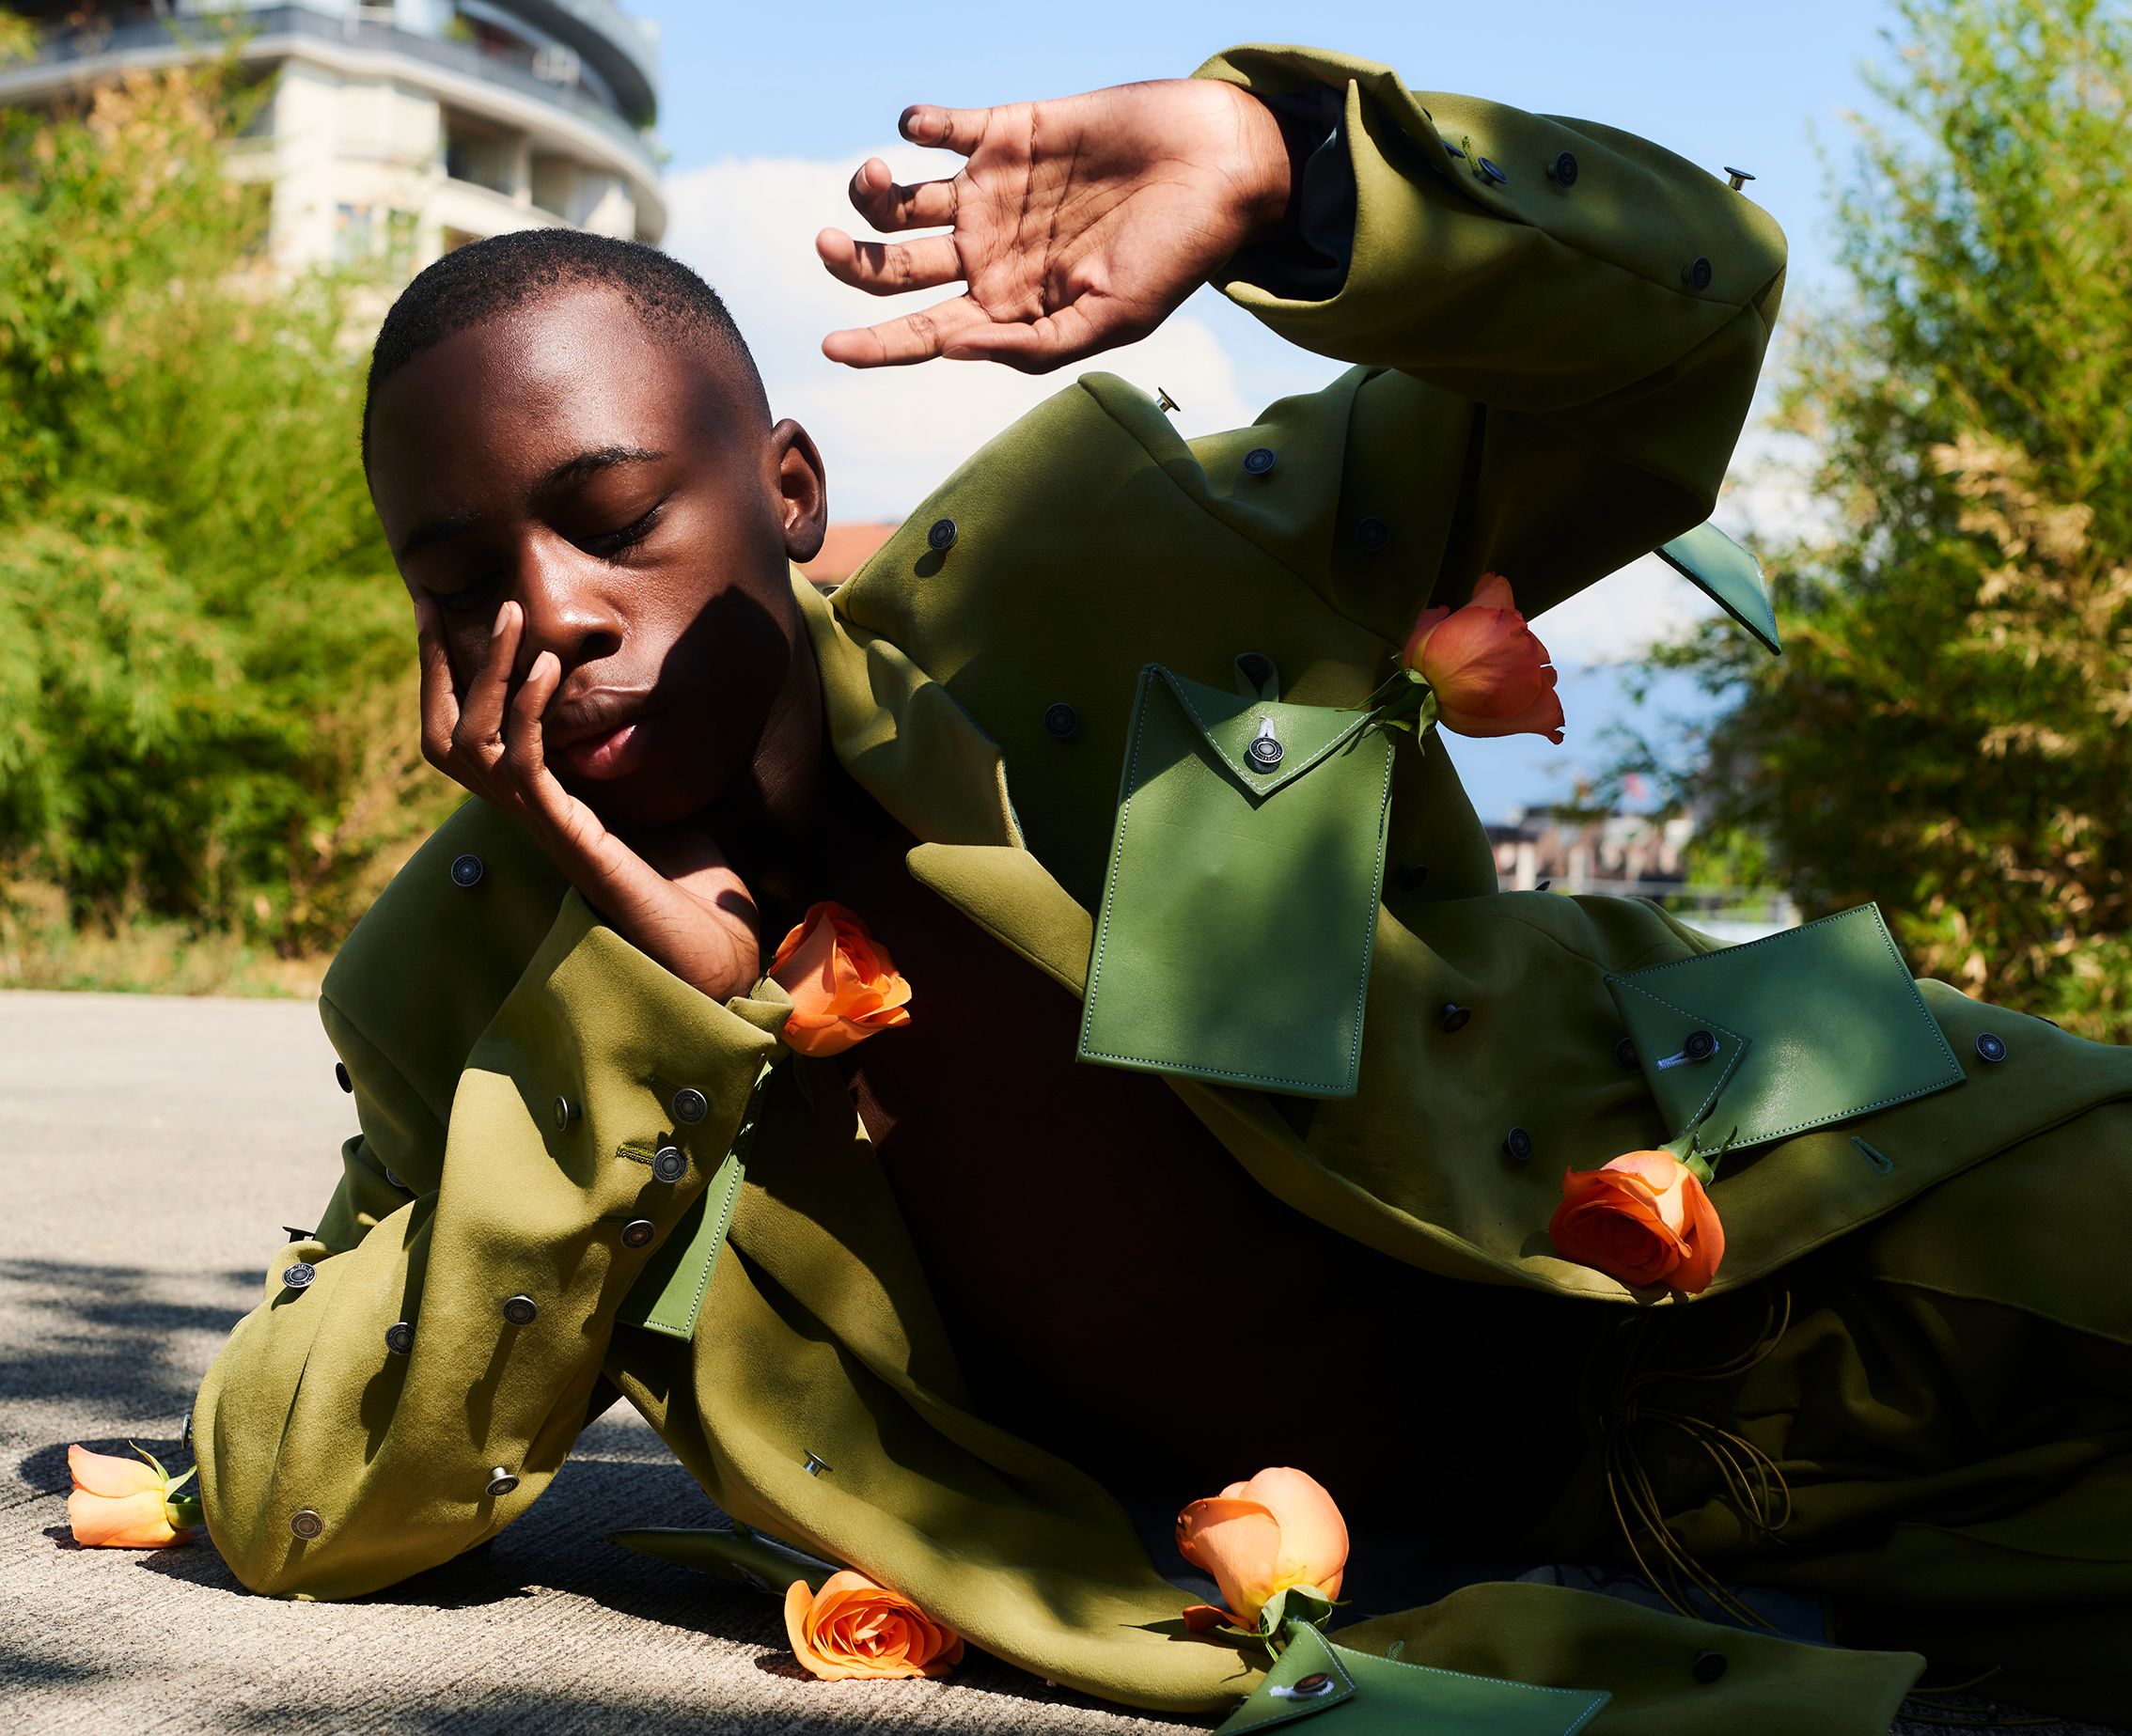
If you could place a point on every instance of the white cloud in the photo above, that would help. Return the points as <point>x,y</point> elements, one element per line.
<point>888,436</point>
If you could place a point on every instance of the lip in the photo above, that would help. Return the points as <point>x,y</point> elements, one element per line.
<point>602,735</point>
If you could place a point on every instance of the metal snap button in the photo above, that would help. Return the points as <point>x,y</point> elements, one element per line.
<point>1696,275</point>
<point>690,1106</point>
<point>500,1480</point>
<point>1699,1046</point>
<point>305,1523</point>
<point>1060,720</point>
<point>565,1112</point>
<point>816,1463</point>
<point>1563,171</point>
<point>466,870</point>
<point>1316,1685</point>
<point>1372,534</point>
<point>341,1077</point>
<point>1625,1055</point>
<point>1739,178</point>
<point>1518,1143</point>
<point>1709,1666</point>
<point>1489,171</point>
<point>1453,1016</point>
<point>941,538</point>
<point>637,1233</point>
<point>520,1310</point>
<point>1259,460</point>
<point>1991,1047</point>
<point>400,1337</point>
<point>669,1164</point>
<point>1264,752</point>
<point>299,1277</point>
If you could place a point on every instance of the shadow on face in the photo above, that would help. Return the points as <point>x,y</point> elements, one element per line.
<point>626,489</point>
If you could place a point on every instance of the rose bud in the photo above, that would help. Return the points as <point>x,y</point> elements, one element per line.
<point>1643,1218</point>
<point>1276,1533</point>
<point>844,986</point>
<point>1489,673</point>
<point>854,1628</point>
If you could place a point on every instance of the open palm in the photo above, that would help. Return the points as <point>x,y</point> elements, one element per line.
<point>1075,226</point>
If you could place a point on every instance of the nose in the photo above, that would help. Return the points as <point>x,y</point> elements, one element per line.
<point>568,608</point>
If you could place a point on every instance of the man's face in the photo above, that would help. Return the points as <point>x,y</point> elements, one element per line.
<point>626,492</point>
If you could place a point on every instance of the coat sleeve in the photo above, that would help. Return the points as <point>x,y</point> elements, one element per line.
<point>1558,327</point>
<point>482,1233</point>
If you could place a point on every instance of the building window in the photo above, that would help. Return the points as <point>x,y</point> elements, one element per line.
<point>353,243</point>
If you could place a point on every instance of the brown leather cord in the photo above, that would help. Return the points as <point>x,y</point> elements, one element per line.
<point>1752,1482</point>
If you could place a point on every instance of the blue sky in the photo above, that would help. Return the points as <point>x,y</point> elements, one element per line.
<point>767,111</point>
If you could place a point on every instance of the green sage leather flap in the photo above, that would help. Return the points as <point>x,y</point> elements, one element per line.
<point>1728,575</point>
<point>1240,905</point>
<point>1367,1695</point>
<point>1786,1033</point>
<point>668,1293</point>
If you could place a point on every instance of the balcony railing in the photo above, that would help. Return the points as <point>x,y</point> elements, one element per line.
<point>268,24</point>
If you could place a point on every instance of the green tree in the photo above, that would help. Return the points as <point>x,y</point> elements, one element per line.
<point>1948,728</point>
<point>206,704</point>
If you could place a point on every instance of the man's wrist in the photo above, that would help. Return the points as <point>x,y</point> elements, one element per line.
<point>1269,166</point>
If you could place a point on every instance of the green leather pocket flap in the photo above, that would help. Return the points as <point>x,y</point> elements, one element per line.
<point>1787,1033</point>
<point>1378,1696</point>
<point>1240,906</point>
<point>668,1293</point>
<point>1728,575</point>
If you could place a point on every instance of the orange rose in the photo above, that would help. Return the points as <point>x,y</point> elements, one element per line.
<point>854,1628</point>
<point>1490,674</point>
<point>1643,1219</point>
<point>1273,1534</point>
<point>845,985</point>
<point>124,1503</point>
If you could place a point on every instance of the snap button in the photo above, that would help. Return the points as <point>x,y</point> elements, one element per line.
<point>1625,1055</point>
<point>1990,1047</point>
<point>690,1106</point>
<point>299,1277</point>
<point>520,1310</point>
<point>500,1480</point>
<point>341,1077</point>
<point>1489,171</point>
<point>668,1165</point>
<point>1060,720</point>
<point>637,1231</point>
<point>1264,752</point>
<point>565,1113</point>
<point>1709,1666</point>
<point>1518,1143</point>
<point>1372,534</point>
<point>305,1523</point>
<point>1563,171</point>
<point>941,538</point>
<point>400,1337</point>
<point>1699,1046</point>
<point>1696,275</point>
<point>1738,178</point>
<point>1316,1685</point>
<point>1255,668</point>
<point>1453,1016</point>
<point>394,1180</point>
<point>1259,460</point>
<point>466,870</point>
<point>816,1463</point>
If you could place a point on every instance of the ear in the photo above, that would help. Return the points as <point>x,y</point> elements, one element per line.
<point>803,490</point>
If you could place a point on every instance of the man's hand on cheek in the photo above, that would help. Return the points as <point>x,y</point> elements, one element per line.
<point>1077,224</point>
<point>699,923</point>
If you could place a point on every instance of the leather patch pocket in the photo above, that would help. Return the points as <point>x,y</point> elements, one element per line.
<point>1787,1033</point>
<point>1240,905</point>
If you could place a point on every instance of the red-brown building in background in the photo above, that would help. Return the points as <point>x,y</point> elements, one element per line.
<point>844,551</point>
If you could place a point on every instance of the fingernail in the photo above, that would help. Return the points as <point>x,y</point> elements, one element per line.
<point>503,620</point>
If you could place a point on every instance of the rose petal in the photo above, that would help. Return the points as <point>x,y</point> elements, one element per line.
<point>138,1520</point>
<point>1238,1542</point>
<point>105,1474</point>
<point>1313,1536</point>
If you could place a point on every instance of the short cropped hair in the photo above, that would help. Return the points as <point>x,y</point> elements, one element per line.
<point>485,278</point>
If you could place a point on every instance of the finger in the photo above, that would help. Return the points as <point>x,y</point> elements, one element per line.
<point>915,337</point>
<point>440,705</point>
<point>480,719</point>
<point>960,130</point>
<point>883,203</point>
<point>889,268</point>
<point>1054,340</point>
<point>525,752</point>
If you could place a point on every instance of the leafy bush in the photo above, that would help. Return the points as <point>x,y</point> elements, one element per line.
<point>1947,731</point>
<point>206,680</point>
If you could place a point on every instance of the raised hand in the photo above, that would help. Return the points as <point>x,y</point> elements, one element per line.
<point>1076,226</point>
<point>673,896</point>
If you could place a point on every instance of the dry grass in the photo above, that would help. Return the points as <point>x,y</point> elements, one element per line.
<point>40,949</point>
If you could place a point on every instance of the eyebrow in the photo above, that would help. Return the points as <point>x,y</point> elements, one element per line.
<point>573,469</point>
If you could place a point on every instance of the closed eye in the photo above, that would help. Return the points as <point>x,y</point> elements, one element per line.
<point>612,544</point>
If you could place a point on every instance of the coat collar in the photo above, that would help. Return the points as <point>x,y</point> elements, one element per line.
<point>912,746</point>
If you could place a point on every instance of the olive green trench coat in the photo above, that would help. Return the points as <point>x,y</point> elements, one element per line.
<point>1550,371</point>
